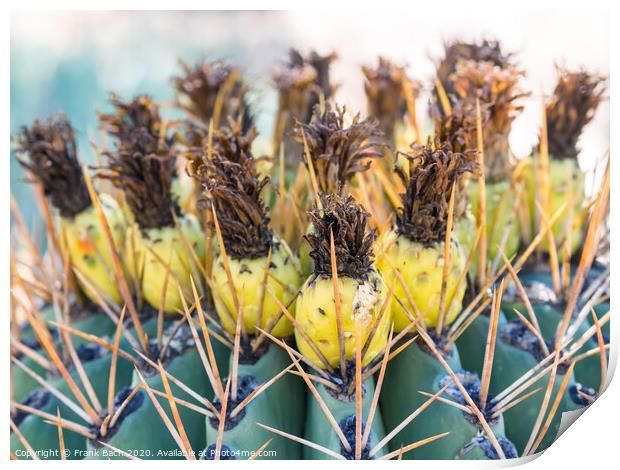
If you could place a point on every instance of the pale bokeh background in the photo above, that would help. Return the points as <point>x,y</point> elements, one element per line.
<point>70,61</point>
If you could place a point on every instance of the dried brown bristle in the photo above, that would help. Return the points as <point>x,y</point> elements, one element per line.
<point>498,90</point>
<point>301,81</point>
<point>347,220</point>
<point>52,159</point>
<point>234,190</point>
<point>143,168</point>
<point>140,112</point>
<point>486,51</point>
<point>433,169</point>
<point>573,104</point>
<point>338,152</point>
<point>384,86</point>
<point>201,85</point>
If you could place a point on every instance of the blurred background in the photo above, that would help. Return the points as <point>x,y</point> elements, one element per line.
<point>71,60</point>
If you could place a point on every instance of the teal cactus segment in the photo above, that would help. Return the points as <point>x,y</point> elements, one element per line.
<point>587,370</point>
<point>415,370</point>
<point>510,363</point>
<point>22,384</point>
<point>480,448</point>
<point>44,437</point>
<point>133,434</point>
<point>320,431</point>
<point>471,343</point>
<point>280,406</point>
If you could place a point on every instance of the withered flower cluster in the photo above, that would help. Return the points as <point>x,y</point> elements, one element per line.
<point>140,112</point>
<point>457,51</point>
<point>384,91</point>
<point>572,106</point>
<point>213,91</point>
<point>143,167</point>
<point>233,189</point>
<point>347,221</point>
<point>144,162</point>
<point>338,152</point>
<point>433,170</point>
<point>48,151</point>
<point>301,83</point>
<point>497,90</point>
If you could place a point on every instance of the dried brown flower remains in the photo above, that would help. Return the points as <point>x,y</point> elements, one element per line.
<point>433,169</point>
<point>457,51</point>
<point>52,159</point>
<point>384,92</point>
<point>213,90</point>
<point>233,189</point>
<point>572,106</point>
<point>498,91</point>
<point>140,112</point>
<point>338,152</point>
<point>143,168</point>
<point>347,220</point>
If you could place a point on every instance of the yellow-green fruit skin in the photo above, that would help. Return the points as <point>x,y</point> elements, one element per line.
<point>248,275</point>
<point>89,250</point>
<point>501,210</point>
<point>562,173</point>
<point>465,232</point>
<point>154,249</point>
<point>183,189</point>
<point>360,303</point>
<point>421,269</point>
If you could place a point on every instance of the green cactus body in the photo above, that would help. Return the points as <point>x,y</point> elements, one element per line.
<point>415,370</point>
<point>319,430</point>
<point>44,437</point>
<point>281,406</point>
<point>471,343</point>
<point>516,353</point>
<point>480,448</point>
<point>549,315</point>
<point>501,210</point>
<point>134,433</point>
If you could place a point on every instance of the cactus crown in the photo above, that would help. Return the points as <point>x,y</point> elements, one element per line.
<point>573,104</point>
<point>53,161</point>
<point>143,168</point>
<point>140,112</point>
<point>433,169</point>
<point>383,87</point>
<point>457,51</point>
<point>497,89</point>
<point>347,220</point>
<point>212,90</point>
<point>338,152</point>
<point>301,81</point>
<point>232,187</point>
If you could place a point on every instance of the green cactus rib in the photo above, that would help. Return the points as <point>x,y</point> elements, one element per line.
<point>281,406</point>
<point>509,364</point>
<point>414,370</point>
<point>549,315</point>
<point>44,437</point>
<point>319,430</point>
<point>470,343</point>
<point>135,434</point>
